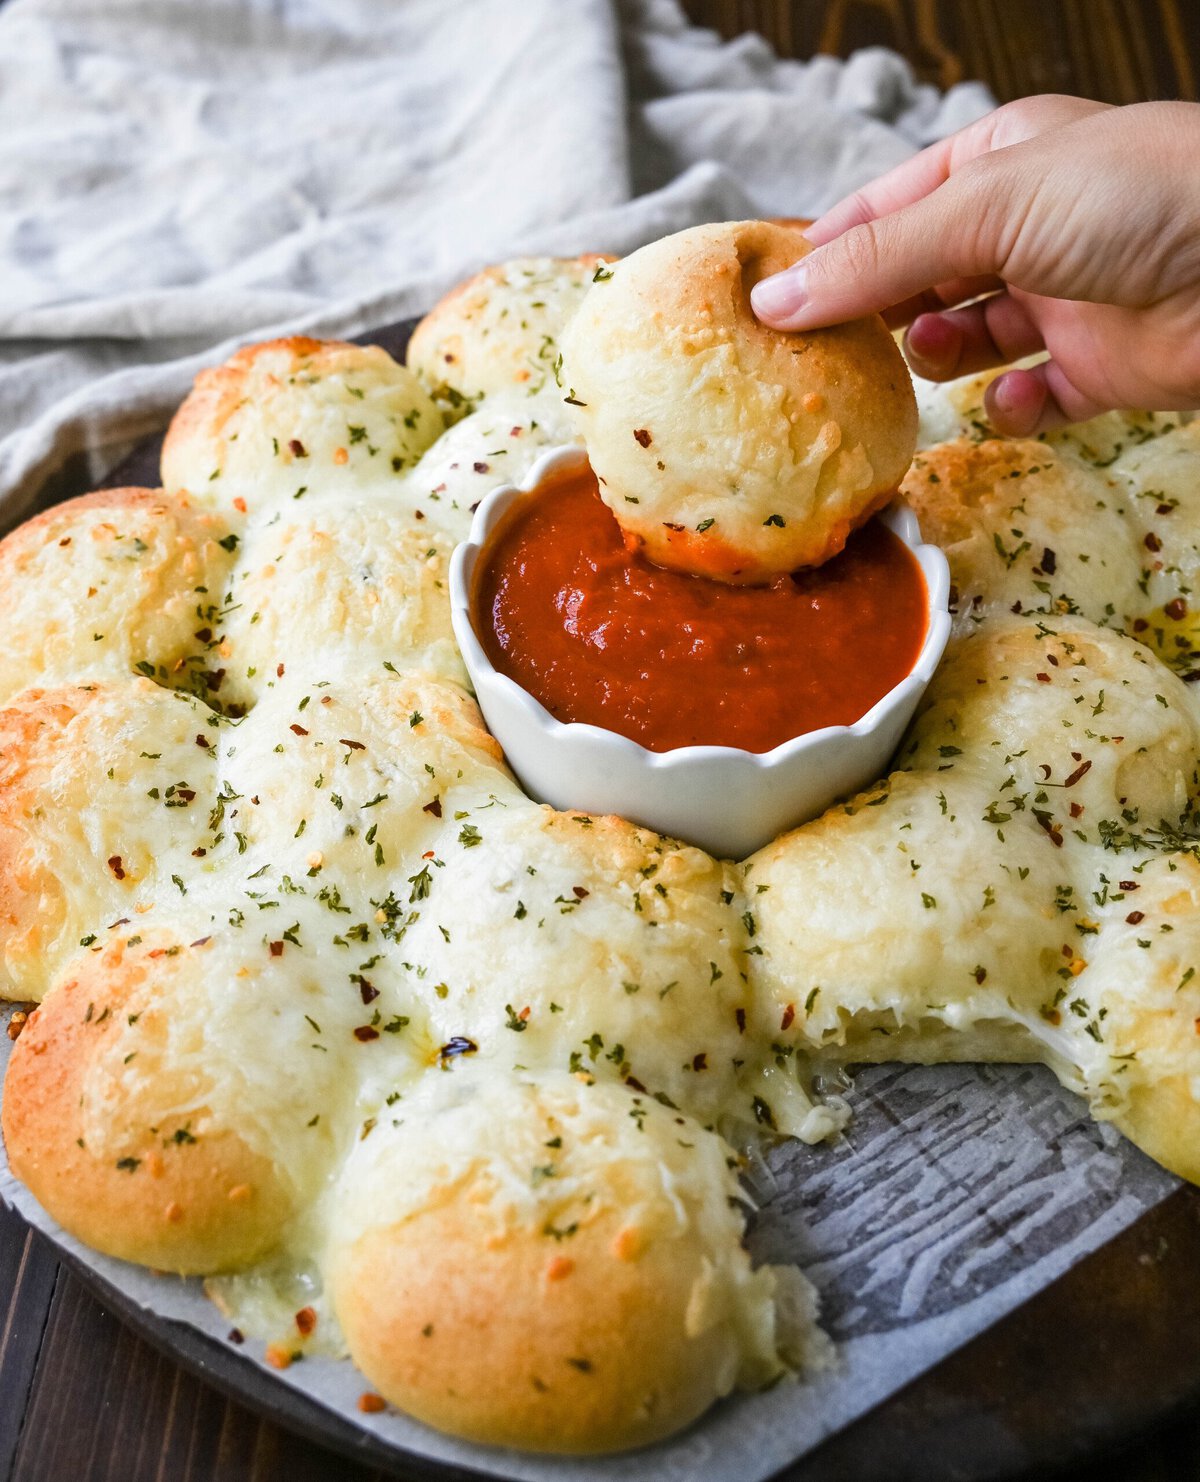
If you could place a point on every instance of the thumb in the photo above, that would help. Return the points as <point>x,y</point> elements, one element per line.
<point>953,233</point>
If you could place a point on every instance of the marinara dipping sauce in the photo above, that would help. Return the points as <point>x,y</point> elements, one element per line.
<point>600,635</point>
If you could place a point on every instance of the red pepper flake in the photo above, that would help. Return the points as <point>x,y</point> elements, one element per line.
<point>669,526</point>
<point>278,671</point>
<point>1140,625</point>
<point>1054,830</point>
<point>579,892</point>
<point>371,1404</point>
<point>700,1061</point>
<point>1135,917</point>
<point>115,865</point>
<point>642,435</point>
<point>204,743</point>
<point>1068,950</point>
<point>1164,509</point>
<point>1045,770</point>
<point>365,1034</point>
<point>1176,609</point>
<point>429,854</point>
<point>296,448</point>
<point>1080,771</point>
<point>1076,810</point>
<point>214,679</point>
<point>789,1014</point>
<point>199,853</point>
<point>480,467</point>
<point>299,730</point>
<point>306,1321</point>
<point>353,745</point>
<point>277,1356</point>
<point>203,634</point>
<point>1152,542</point>
<point>17,1023</point>
<point>239,504</point>
<point>368,990</point>
<point>435,808</point>
<point>740,1016</point>
<point>236,1335</point>
<point>66,540</point>
<point>980,974</point>
<point>276,949</point>
<point>1128,885</point>
<point>418,514</point>
<point>1043,678</point>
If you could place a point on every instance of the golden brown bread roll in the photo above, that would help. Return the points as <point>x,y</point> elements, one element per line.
<point>297,418</point>
<point>499,330</point>
<point>1022,890</point>
<point>112,1124</point>
<point>104,795</point>
<point>583,1242</point>
<point>113,583</point>
<point>721,446</point>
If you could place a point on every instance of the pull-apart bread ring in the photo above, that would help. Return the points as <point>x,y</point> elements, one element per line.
<point>721,446</point>
<point>324,994</point>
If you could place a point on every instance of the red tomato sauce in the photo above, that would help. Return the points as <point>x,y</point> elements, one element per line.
<point>598,634</point>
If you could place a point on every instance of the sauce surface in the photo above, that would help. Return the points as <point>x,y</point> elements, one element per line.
<point>600,635</point>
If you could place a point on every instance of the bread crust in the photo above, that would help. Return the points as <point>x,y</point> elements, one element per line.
<point>176,1192</point>
<point>724,447</point>
<point>499,330</point>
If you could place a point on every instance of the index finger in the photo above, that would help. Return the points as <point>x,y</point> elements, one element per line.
<point>916,178</point>
<point>901,186</point>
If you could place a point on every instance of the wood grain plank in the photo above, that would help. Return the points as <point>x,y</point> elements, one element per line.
<point>28,1271</point>
<point>1120,51</point>
<point>106,1407</point>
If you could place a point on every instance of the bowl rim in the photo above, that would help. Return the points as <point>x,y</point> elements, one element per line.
<point>490,511</point>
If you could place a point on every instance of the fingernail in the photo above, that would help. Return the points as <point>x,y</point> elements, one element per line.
<point>780,296</point>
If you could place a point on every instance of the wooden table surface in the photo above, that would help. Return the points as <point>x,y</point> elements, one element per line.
<point>81,1399</point>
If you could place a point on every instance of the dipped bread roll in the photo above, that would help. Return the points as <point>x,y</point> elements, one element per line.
<point>721,446</point>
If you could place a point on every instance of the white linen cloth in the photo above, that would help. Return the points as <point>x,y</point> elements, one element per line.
<point>179,177</point>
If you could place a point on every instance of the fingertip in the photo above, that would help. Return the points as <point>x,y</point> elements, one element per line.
<point>1016,403</point>
<point>779,301</point>
<point>933,346</point>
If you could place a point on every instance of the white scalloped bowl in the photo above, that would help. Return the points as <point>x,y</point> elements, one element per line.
<point>728,801</point>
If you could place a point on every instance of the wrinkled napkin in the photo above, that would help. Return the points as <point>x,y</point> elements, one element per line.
<point>179,178</point>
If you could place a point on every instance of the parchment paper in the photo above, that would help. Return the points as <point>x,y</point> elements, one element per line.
<point>955,1194</point>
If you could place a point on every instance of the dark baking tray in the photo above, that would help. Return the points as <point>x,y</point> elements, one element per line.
<point>1103,1355</point>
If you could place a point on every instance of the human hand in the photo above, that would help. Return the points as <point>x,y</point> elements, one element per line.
<point>1080,221</point>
